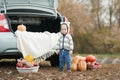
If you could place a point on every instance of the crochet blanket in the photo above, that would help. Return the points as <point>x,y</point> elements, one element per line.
<point>38,44</point>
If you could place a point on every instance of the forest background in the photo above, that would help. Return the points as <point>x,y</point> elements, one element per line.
<point>95,24</point>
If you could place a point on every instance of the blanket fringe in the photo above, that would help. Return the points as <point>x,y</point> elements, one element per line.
<point>46,55</point>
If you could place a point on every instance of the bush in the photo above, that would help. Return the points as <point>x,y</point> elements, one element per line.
<point>97,41</point>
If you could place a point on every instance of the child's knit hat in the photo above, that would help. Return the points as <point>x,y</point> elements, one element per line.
<point>65,20</point>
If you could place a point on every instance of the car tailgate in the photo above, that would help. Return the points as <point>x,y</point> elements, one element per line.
<point>29,7</point>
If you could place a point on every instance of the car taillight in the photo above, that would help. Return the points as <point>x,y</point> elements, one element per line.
<point>3,24</point>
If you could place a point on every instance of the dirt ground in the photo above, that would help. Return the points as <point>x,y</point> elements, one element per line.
<point>46,72</point>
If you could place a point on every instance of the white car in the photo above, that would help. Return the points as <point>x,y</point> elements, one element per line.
<point>37,15</point>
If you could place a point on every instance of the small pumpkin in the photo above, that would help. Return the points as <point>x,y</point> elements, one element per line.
<point>82,66</point>
<point>21,27</point>
<point>75,60</point>
<point>74,67</point>
<point>29,58</point>
<point>82,58</point>
<point>90,58</point>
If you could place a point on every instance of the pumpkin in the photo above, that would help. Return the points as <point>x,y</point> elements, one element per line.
<point>82,58</point>
<point>21,27</point>
<point>90,58</point>
<point>29,58</point>
<point>82,66</point>
<point>74,67</point>
<point>75,60</point>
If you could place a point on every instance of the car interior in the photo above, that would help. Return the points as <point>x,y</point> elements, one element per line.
<point>35,24</point>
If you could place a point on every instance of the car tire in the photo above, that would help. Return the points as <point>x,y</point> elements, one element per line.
<point>54,60</point>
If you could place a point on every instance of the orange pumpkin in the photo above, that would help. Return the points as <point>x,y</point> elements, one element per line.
<point>21,27</point>
<point>82,58</point>
<point>82,66</point>
<point>74,67</point>
<point>90,58</point>
<point>75,59</point>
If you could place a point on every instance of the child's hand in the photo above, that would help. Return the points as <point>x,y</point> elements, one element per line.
<point>70,52</point>
<point>57,52</point>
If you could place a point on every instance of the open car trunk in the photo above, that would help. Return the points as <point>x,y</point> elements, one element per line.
<point>36,15</point>
<point>29,7</point>
<point>35,24</point>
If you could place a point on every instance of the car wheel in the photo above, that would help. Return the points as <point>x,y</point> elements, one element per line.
<point>54,60</point>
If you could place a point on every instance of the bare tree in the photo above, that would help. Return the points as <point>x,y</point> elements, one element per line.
<point>110,4</point>
<point>96,8</point>
<point>117,11</point>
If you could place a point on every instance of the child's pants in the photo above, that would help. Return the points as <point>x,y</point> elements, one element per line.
<point>64,57</point>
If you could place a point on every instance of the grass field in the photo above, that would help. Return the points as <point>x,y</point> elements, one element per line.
<point>101,55</point>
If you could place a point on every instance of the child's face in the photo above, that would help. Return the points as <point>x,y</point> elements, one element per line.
<point>63,29</point>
